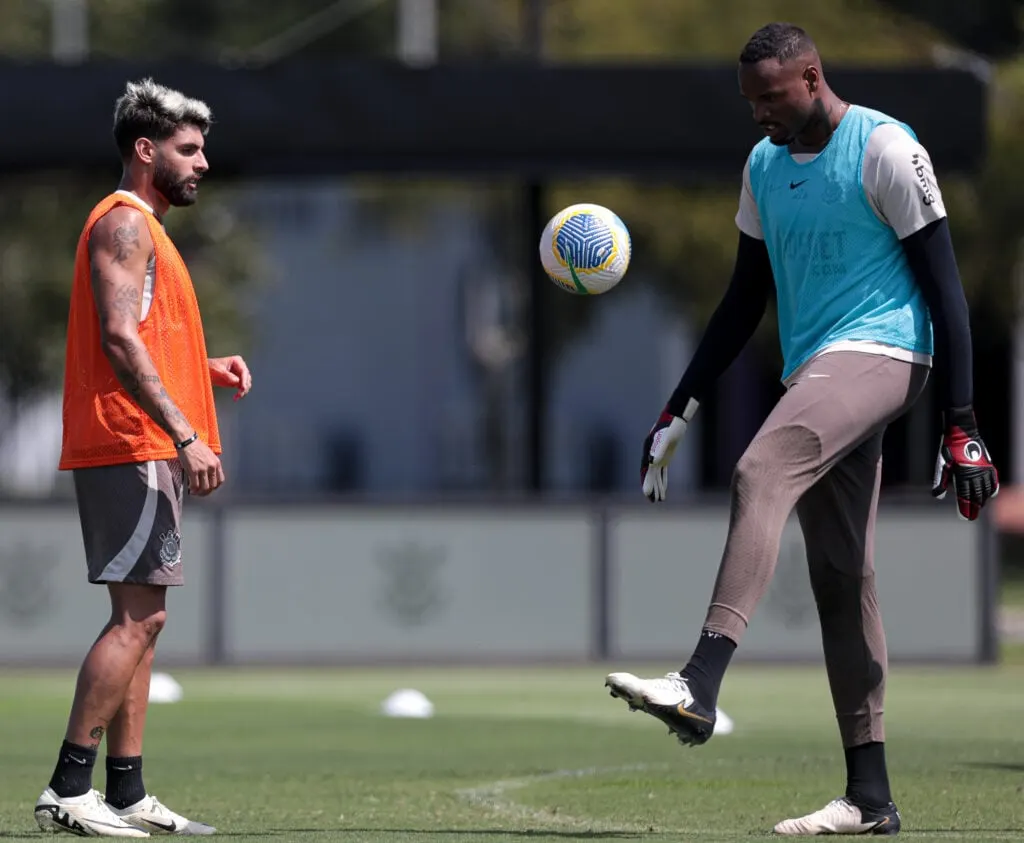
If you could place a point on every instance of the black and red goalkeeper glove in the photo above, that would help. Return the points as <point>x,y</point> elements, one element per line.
<point>963,455</point>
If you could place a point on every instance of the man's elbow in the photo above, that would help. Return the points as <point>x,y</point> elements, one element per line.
<point>119,343</point>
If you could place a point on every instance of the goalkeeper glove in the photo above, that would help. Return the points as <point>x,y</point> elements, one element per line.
<point>963,455</point>
<point>659,446</point>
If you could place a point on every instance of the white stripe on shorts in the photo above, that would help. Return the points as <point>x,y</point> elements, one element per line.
<point>121,565</point>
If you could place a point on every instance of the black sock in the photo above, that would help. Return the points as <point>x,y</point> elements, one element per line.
<point>707,666</point>
<point>73,774</point>
<point>867,780</point>
<point>124,781</point>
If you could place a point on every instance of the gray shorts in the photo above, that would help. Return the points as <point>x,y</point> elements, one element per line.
<point>131,521</point>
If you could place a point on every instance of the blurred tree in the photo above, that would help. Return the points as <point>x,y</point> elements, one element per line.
<point>992,28</point>
<point>986,213</point>
<point>34,278</point>
<point>699,30</point>
<point>24,28</point>
<point>204,30</point>
<point>227,29</point>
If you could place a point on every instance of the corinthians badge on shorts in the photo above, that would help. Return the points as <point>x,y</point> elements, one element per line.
<point>170,548</point>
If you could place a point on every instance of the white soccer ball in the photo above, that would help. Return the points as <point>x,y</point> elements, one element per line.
<point>585,249</point>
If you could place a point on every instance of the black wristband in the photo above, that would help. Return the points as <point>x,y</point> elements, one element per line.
<point>181,446</point>
<point>962,417</point>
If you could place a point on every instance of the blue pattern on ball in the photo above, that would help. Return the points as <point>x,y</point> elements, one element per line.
<point>585,240</point>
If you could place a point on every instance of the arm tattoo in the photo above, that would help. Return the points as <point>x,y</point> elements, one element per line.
<point>129,381</point>
<point>126,241</point>
<point>118,305</point>
<point>150,394</point>
<point>126,301</point>
<point>166,405</point>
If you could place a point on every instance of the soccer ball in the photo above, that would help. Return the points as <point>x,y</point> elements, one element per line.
<point>585,249</point>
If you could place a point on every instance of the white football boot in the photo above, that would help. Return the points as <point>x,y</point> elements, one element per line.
<point>87,815</point>
<point>149,814</point>
<point>669,699</point>
<point>841,816</point>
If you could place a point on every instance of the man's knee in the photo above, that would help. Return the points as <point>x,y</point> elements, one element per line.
<point>781,460</point>
<point>149,627</point>
<point>140,611</point>
<point>835,595</point>
<point>845,599</point>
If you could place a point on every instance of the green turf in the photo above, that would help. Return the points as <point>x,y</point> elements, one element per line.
<point>541,754</point>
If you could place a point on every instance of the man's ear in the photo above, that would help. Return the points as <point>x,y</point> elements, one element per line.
<point>145,149</point>
<point>812,79</point>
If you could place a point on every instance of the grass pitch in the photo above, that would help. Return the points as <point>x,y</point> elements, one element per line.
<point>542,754</point>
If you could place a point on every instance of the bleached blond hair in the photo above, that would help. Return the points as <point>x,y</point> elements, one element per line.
<point>149,110</point>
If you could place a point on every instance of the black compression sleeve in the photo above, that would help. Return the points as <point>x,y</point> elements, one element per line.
<point>930,255</point>
<point>732,324</point>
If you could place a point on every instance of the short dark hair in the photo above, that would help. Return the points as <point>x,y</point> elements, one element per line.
<point>780,41</point>
<point>149,110</point>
